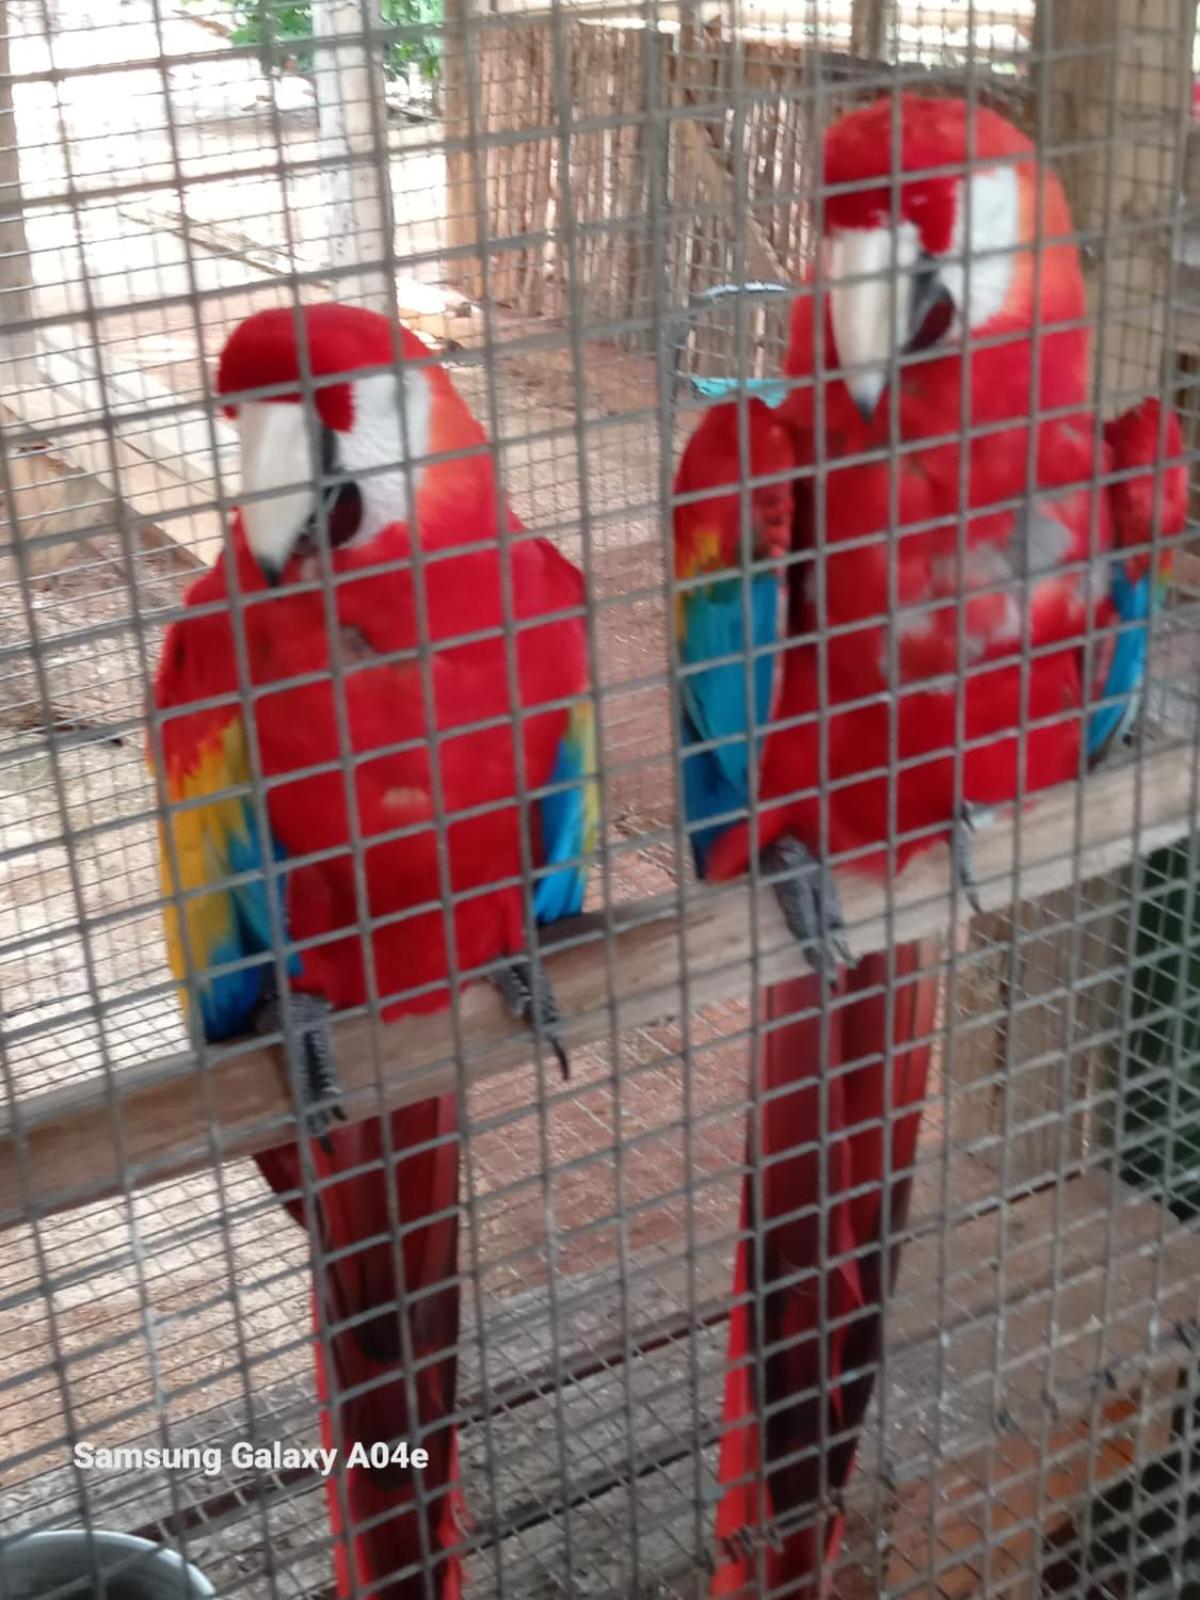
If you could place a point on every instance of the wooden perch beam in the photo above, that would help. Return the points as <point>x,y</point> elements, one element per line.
<point>69,1147</point>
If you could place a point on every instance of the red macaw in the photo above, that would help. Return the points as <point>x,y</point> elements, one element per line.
<point>1024,562</point>
<point>351,781</point>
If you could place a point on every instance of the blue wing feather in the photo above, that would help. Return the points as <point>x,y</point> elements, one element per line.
<point>569,820</point>
<point>217,841</point>
<point>716,782</point>
<point>228,1000</point>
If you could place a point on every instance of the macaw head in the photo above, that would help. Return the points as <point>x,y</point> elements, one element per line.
<point>955,245</point>
<point>348,457</point>
<point>708,529</point>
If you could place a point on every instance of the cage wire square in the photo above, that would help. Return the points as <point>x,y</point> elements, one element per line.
<point>594,215</point>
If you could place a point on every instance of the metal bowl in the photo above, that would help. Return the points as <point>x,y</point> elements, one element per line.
<point>65,1563</point>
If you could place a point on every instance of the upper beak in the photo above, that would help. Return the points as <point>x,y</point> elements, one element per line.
<point>277,482</point>
<point>870,272</point>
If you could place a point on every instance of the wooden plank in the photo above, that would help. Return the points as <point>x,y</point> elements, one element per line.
<point>63,1149</point>
<point>541,163</point>
<point>135,437</point>
<point>715,184</point>
<point>517,175</point>
<point>51,503</point>
<point>127,473</point>
<point>230,243</point>
<point>158,423</point>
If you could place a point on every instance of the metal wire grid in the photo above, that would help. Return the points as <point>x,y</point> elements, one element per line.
<point>160,208</point>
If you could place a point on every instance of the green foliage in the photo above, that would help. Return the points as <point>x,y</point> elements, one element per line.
<point>1160,1125</point>
<point>285,26</point>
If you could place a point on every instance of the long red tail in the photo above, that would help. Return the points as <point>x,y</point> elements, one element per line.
<point>805,1334</point>
<point>385,1542</point>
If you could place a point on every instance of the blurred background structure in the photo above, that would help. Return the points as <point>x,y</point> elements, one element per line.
<point>548,189</point>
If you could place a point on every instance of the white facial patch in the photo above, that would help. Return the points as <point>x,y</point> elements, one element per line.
<point>278,475</point>
<point>375,451</point>
<point>995,233</point>
<point>869,271</point>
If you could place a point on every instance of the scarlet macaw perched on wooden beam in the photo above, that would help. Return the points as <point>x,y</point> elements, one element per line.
<point>922,648</point>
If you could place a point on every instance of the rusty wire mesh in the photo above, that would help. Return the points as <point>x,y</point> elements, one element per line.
<point>560,202</point>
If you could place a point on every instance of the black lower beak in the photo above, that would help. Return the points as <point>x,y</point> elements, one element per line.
<point>932,308</point>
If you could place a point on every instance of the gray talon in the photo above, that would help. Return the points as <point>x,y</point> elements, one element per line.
<point>314,1076</point>
<point>970,819</point>
<point>812,908</point>
<point>526,990</point>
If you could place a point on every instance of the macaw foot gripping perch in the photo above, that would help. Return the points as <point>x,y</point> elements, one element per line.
<point>526,990</point>
<point>315,1085</point>
<point>809,899</point>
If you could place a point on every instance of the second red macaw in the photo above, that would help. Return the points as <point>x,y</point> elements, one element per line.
<point>929,598</point>
<point>371,729</point>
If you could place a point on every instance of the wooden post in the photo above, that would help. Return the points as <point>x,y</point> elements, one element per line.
<point>462,232</point>
<point>16,274</point>
<point>868,28</point>
<point>352,117</point>
<point>1113,75</point>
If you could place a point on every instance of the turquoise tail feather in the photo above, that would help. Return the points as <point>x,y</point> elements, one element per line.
<point>228,1000</point>
<point>1124,684</point>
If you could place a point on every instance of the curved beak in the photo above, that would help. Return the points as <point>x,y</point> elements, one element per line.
<point>278,478</point>
<point>882,289</point>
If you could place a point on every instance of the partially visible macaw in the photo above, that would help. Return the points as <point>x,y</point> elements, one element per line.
<point>713,603</point>
<point>923,597</point>
<point>1135,442</point>
<point>363,740</point>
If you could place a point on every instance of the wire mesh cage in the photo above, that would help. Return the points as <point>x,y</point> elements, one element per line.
<point>740,638</point>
